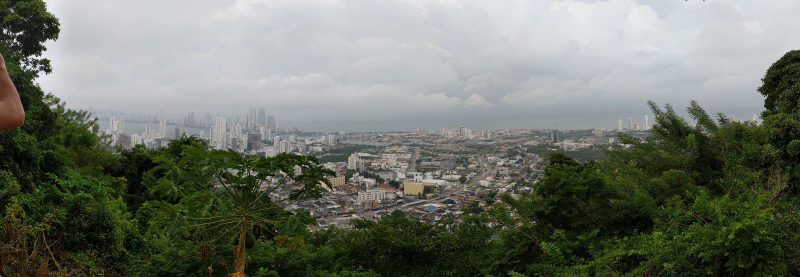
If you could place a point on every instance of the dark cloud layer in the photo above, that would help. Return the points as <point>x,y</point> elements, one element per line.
<point>392,65</point>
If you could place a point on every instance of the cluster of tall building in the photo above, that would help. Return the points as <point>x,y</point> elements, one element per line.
<point>634,126</point>
<point>250,133</point>
<point>152,138</point>
<point>466,133</point>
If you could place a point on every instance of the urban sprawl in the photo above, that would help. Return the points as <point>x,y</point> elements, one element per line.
<point>434,176</point>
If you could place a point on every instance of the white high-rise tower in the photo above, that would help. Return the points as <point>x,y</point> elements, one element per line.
<point>646,122</point>
<point>162,127</point>
<point>218,137</point>
<point>630,123</point>
<point>619,127</point>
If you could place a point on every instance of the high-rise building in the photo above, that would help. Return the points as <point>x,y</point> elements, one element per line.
<point>619,127</point>
<point>262,117</point>
<point>190,119</point>
<point>271,123</point>
<point>117,125</point>
<point>218,133</point>
<point>162,127</point>
<point>252,124</point>
<point>235,143</point>
<point>285,147</point>
<point>237,131</point>
<point>554,136</point>
<point>254,141</point>
<point>331,139</point>
<point>630,123</point>
<point>646,122</point>
<point>276,142</point>
<point>353,161</point>
<point>124,141</point>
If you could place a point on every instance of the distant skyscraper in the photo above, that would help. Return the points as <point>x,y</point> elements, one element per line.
<point>218,134</point>
<point>234,144</point>
<point>286,147</point>
<point>646,122</point>
<point>271,122</point>
<point>353,161</point>
<point>237,131</point>
<point>162,127</point>
<point>276,142</point>
<point>117,125</point>
<point>630,123</point>
<point>262,117</point>
<point>190,119</point>
<point>252,124</point>
<point>619,127</point>
<point>554,136</point>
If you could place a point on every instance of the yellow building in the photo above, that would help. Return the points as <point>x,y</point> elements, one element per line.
<point>413,188</point>
<point>335,182</point>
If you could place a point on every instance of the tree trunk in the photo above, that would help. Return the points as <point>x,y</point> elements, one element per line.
<point>241,257</point>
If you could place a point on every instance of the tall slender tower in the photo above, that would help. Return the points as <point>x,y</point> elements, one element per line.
<point>271,123</point>
<point>630,123</point>
<point>619,127</point>
<point>646,122</point>
<point>162,127</point>
<point>262,117</point>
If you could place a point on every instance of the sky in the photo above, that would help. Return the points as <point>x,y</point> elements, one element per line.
<point>368,65</point>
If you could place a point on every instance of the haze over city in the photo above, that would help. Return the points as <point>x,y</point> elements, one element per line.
<point>367,65</point>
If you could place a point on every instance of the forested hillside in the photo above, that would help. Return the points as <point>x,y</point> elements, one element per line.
<point>700,196</point>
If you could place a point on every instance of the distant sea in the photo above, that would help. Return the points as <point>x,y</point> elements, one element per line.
<point>139,128</point>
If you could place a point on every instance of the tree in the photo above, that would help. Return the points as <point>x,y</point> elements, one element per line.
<point>398,214</point>
<point>242,197</point>
<point>462,179</point>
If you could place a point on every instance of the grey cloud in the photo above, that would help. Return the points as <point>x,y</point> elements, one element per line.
<point>392,65</point>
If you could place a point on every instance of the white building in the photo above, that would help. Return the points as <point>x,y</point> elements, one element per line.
<point>117,125</point>
<point>353,162</point>
<point>373,195</point>
<point>218,133</point>
<point>162,127</point>
<point>285,147</point>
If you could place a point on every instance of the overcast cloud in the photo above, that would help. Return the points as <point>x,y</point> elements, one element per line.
<point>398,65</point>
